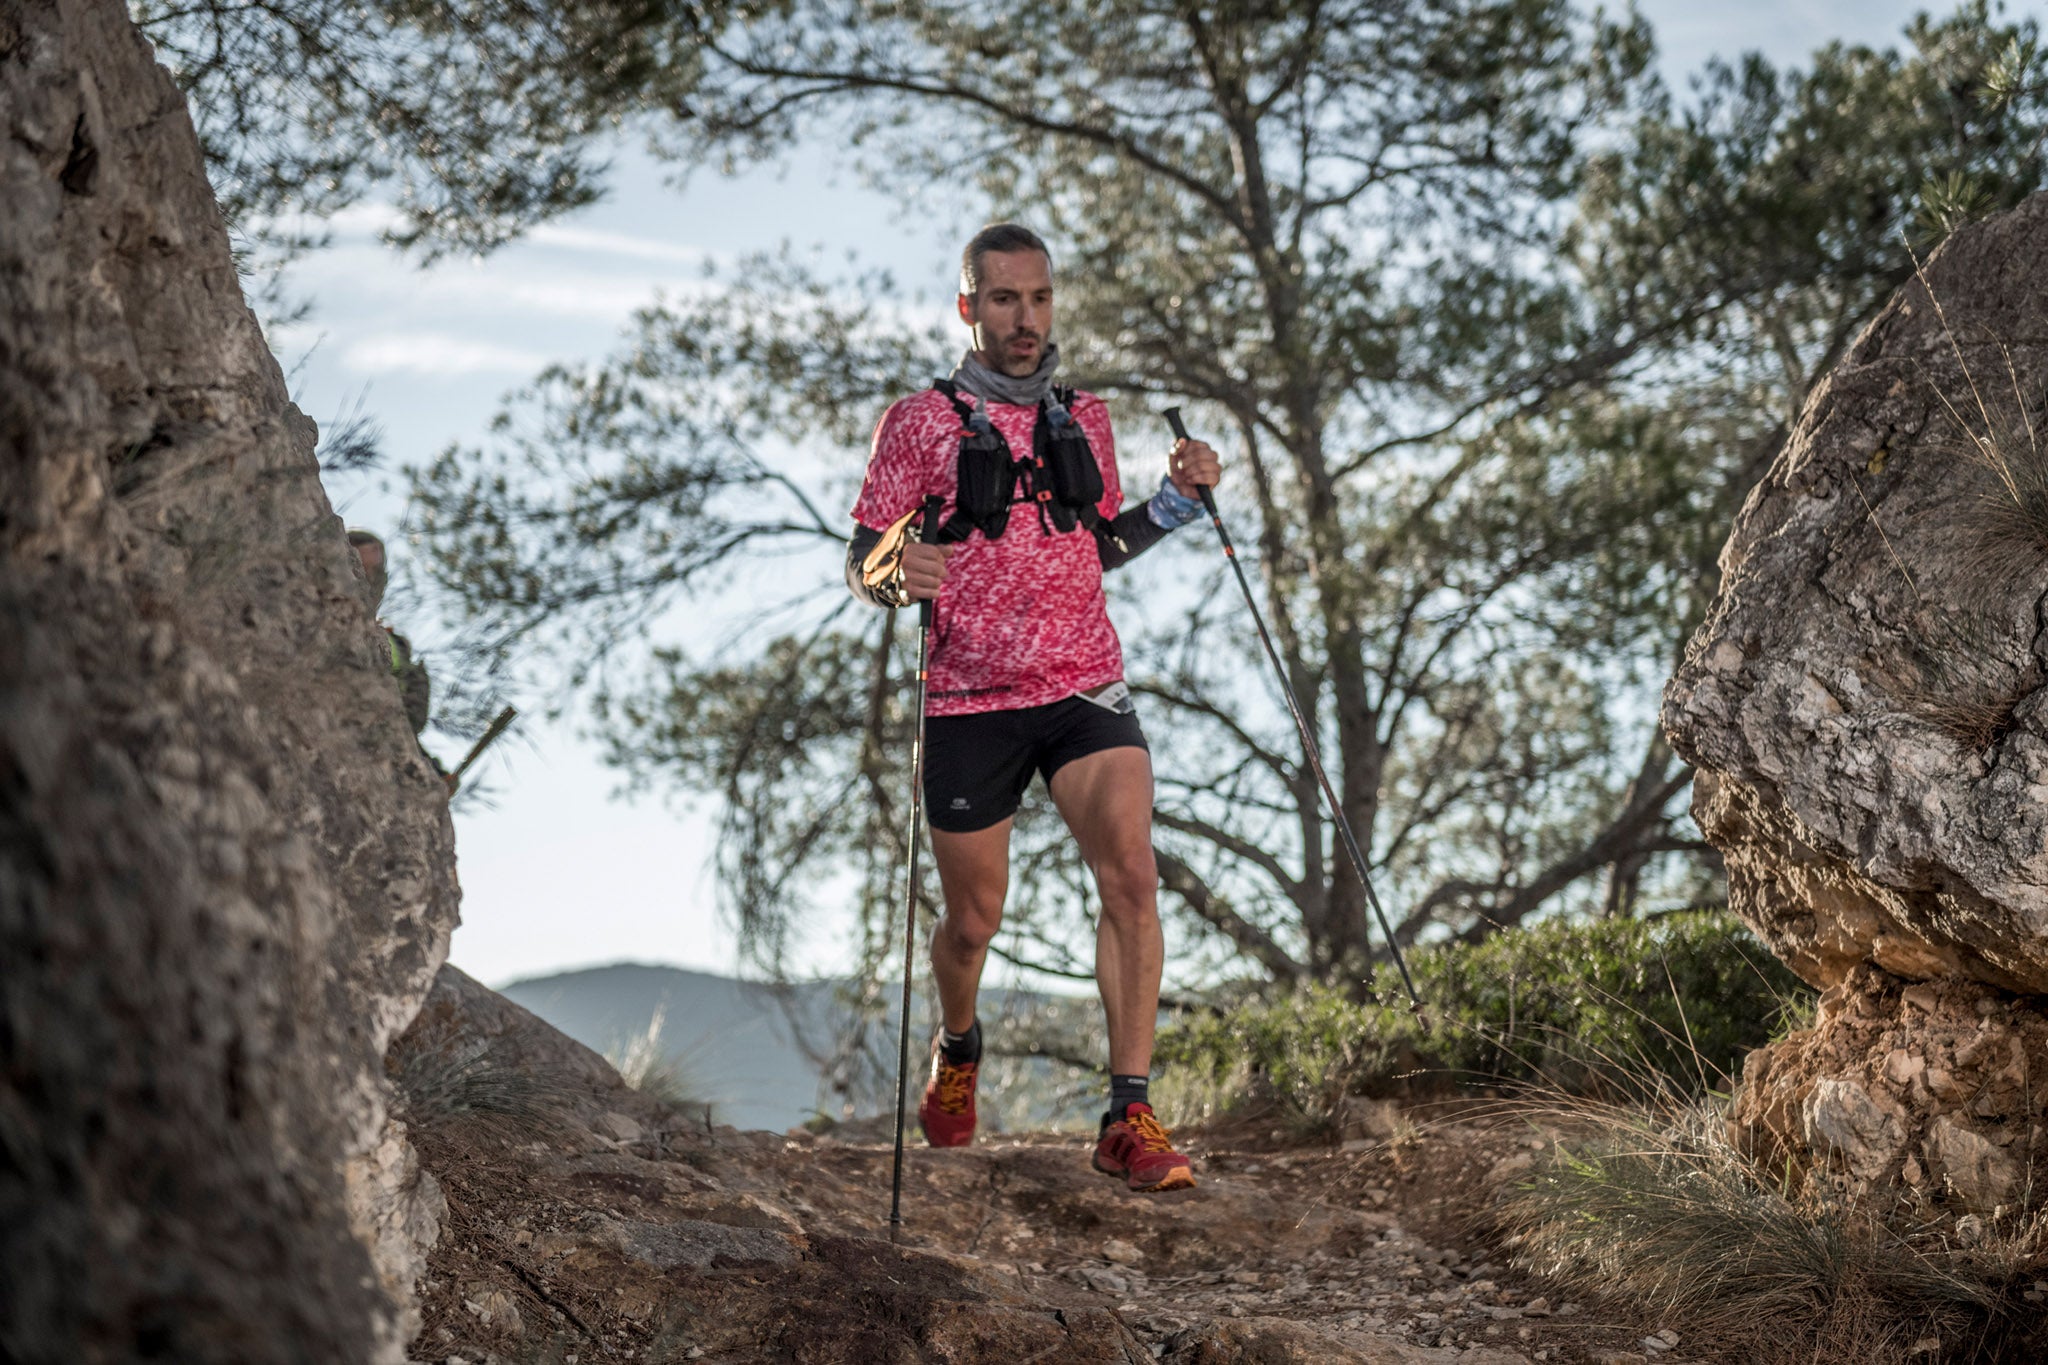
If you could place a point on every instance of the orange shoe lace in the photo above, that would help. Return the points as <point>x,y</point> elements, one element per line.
<point>1151,1135</point>
<point>956,1086</point>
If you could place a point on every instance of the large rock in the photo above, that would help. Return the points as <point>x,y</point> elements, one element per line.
<point>1867,709</point>
<point>226,873</point>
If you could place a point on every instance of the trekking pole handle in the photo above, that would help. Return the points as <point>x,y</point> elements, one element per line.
<point>928,534</point>
<point>1180,433</point>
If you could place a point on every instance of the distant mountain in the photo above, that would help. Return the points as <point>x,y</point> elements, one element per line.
<point>748,1048</point>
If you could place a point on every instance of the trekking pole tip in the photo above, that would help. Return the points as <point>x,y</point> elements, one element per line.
<point>1421,1018</point>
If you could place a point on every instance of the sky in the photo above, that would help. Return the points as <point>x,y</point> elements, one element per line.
<point>558,871</point>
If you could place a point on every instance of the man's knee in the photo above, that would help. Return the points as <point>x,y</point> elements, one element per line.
<point>1129,885</point>
<point>970,929</point>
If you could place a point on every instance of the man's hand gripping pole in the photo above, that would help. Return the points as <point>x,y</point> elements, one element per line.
<point>1308,743</point>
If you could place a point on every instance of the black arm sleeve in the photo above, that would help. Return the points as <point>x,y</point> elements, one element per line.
<point>857,549</point>
<point>1126,536</point>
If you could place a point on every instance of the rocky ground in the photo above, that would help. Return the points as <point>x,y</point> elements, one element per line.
<point>631,1231</point>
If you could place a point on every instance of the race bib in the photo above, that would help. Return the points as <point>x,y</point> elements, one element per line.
<point>1114,696</point>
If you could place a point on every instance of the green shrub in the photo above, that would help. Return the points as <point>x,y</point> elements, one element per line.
<point>1671,1002</point>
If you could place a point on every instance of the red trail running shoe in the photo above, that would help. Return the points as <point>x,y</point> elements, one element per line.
<point>947,1113</point>
<point>1137,1150</point>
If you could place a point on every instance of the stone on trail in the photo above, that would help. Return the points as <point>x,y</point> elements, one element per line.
<point>1867,707</point>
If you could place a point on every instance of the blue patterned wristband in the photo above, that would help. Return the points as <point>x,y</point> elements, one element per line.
<point>1169,508</point>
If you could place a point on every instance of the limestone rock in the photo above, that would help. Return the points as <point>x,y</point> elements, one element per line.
<point>1960,1123</point>
<point>1839,1116</point>
<point>1867,706</point>
<point>691,1242</point>
<point>1866,701</point>
<point>619,1127</point>
<point>227,875</point>
<point>467,1028</point>
<point>1981,1176</point>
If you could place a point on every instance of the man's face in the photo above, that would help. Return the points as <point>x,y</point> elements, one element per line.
<point>372,556</point>
<point>1012,315</point>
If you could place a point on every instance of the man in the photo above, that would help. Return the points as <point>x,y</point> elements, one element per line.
<point>1026,672</point>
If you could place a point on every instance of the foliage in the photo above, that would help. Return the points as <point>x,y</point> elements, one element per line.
<point>1682,996</point>
<point>1653,1207</point>
<point>1593,1006</point>
<point>478,117</point>
<point>1497,335</point>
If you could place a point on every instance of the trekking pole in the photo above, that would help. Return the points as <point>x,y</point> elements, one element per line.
<point>928,533</point>
<point>1308,742</point>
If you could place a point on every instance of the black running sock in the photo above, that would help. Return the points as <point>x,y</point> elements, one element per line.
<point>1125,1091</point>
<point>961,1048</point>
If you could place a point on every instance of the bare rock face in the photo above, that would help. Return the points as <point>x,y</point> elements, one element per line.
<point>1867,704</point>
<point>226,873</point>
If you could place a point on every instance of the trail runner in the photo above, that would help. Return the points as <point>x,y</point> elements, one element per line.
<point>1026,672</point>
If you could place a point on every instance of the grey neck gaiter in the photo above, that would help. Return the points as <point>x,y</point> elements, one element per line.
<point>993,386</point>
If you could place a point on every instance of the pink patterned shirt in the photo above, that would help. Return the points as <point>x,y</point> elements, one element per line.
<point>1022,620</point>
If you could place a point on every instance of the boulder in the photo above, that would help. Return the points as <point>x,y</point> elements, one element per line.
<point>1867,707</point>
<point>226,870</point>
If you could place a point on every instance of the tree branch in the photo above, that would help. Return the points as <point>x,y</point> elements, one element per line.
<point>1183,881</point>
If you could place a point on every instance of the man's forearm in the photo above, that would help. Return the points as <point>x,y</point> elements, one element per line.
<point>1126,536</point>
<point>1137,529</point>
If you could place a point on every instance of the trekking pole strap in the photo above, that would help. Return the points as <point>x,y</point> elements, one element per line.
<point>1308,743</point>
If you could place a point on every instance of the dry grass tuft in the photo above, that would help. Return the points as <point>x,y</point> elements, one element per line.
<point>1995,430</point>
<point>446,1080</point>
<point>1973,698</point>
<point>1654,1207</point>
<point>648,1067</point>
<point>2009,528</point>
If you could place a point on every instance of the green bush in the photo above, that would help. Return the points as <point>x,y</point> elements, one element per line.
<point>1671,1002</point>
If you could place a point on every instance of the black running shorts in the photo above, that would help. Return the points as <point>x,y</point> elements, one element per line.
<point>977,767</point>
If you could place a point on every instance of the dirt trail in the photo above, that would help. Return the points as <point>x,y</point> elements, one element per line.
<point>726,1246</point>
<point>620,1229</point>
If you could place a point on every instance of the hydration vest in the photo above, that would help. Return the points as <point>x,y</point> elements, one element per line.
<point>1060,477</point>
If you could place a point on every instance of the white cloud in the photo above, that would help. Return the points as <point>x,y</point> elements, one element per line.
<point>358,222</point>
<point>438,353</point>
<point>512,287</point>
<point>618,244</point>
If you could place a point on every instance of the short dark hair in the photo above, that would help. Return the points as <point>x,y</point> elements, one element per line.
<point>996,237</point>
